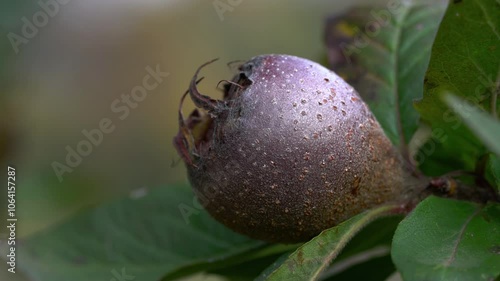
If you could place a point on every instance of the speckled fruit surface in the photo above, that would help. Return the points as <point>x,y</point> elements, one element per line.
<point>290,151</point>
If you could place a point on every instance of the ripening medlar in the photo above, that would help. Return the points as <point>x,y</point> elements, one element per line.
<point>289,151</point>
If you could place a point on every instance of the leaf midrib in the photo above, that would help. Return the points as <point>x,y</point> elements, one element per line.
<point>461,233</point>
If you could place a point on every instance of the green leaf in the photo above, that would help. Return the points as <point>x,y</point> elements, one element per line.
<point>245,271</point>
<point>444,239</point>
<point>492,173</point>
<point>309,260</point>
<point>274,266</point>
<point>482,124</point>
<point>376,269</point>
<point>465,61</point>
<point>376,235</point>
<point>225,266</point>
<point>383,53</point>
<point>145,237</point>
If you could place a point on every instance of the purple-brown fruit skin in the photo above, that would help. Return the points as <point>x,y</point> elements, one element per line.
<point>294,152</point>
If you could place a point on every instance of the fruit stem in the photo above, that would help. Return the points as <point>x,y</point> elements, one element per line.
<point>448,187</point>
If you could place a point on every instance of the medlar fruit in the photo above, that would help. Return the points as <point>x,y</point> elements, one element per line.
<point>289,151</point>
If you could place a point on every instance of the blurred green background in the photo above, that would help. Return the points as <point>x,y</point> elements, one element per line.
<point>65,78</point>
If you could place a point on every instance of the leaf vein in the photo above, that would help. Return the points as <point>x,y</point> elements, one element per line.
<point>461,233</point>
<point>488,19</point>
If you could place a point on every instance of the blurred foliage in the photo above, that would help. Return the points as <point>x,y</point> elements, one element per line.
<point>146,236</point>
<point>374,49</point>
<point>90,53</point>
